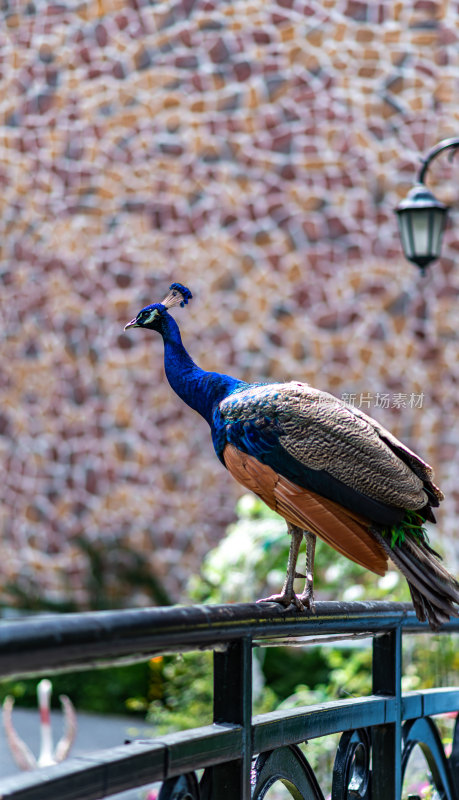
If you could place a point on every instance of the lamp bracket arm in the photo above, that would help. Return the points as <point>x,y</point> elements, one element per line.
<point>445,144</point>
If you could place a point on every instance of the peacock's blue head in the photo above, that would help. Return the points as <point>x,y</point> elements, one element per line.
<point>148,317</point>
<point>153,316</point>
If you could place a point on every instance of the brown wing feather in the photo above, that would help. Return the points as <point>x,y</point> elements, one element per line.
<point>343,530</point>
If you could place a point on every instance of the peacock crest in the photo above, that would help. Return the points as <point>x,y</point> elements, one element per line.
<point>178,296</point>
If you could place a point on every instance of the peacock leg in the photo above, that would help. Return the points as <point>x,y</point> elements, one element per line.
<point>307,596</point>
<point>287,596</point>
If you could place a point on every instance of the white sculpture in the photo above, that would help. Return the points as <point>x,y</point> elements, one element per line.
<point>48,755</point>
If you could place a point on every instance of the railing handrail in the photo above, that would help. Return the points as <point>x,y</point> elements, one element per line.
<point>76,640</point>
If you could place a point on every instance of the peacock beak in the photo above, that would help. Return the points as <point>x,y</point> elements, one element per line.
<point>132,324</point>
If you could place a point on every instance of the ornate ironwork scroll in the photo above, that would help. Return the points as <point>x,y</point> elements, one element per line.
<point>351,771</point>
<point>289,766</point>
<point>454,757</point>
<point>185,787</point>
<point>423,732</point>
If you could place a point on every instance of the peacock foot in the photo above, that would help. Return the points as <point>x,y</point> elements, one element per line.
<point>286,599</point>
<point>307,599</point>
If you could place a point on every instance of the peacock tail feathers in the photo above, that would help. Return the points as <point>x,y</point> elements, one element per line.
<point>434,591</point>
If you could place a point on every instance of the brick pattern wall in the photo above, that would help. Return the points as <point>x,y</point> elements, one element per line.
<point>253,150</point>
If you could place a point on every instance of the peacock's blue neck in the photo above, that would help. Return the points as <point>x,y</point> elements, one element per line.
<point>199,389</point>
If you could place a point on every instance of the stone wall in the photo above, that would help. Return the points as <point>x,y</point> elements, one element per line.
<point>253,150</point>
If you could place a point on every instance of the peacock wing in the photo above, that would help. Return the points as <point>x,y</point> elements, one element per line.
<point>345,531</point>
<point>317,441</point>
<point>417,464</point>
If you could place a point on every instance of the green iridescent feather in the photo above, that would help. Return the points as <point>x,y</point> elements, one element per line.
<point>410,526</point>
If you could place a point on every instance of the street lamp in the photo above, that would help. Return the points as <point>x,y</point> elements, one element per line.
<point>421,217</point>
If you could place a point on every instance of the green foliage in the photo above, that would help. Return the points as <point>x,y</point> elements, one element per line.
<point>287,668</point>
<point>430,660</point>
<point>350,671</point>
<point>187,696</point>
<point>102,690</point>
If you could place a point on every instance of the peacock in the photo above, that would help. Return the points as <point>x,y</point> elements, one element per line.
<point>326,467</point>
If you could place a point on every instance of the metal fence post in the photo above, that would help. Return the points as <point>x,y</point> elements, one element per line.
<point>233,703</point>
<point>386,778</point>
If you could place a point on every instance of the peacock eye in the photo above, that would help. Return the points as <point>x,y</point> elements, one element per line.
<point>147,315</point>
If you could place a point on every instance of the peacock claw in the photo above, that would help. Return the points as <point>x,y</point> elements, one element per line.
<point>285,600</point>
<point>308,601</point>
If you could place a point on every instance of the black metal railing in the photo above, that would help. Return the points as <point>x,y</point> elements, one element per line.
<point>242,755</point>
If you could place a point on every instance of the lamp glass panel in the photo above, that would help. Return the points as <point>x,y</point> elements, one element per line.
<point>404,225</point>
<point>438,225</point>
<point>420,223</point>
